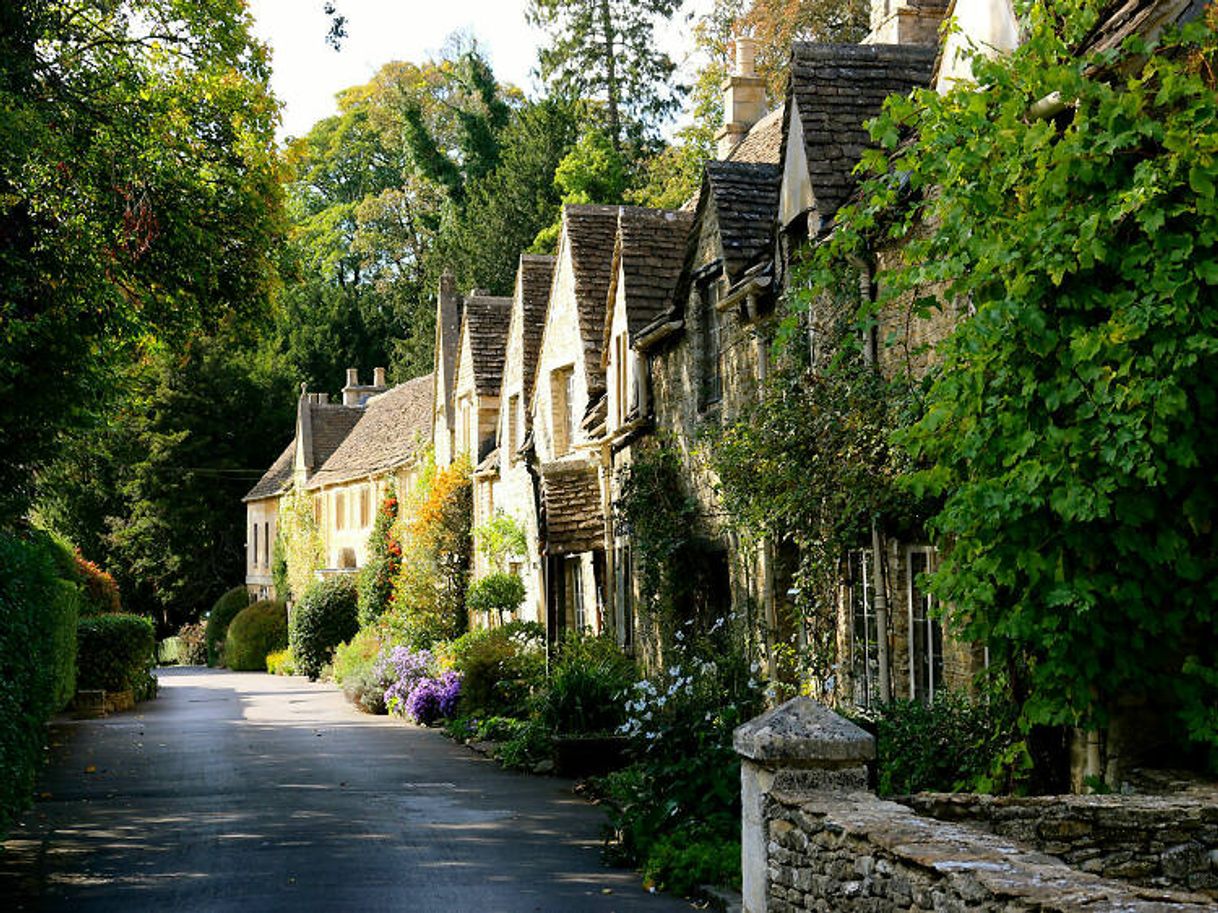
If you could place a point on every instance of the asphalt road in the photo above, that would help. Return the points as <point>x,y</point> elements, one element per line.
<point>240,791</point>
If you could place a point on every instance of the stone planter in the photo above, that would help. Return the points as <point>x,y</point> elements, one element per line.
<point>588,756</point>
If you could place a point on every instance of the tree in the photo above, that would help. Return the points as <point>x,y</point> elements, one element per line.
<point>777,23</point>
<point>606,50</point>
<point>138,197</point>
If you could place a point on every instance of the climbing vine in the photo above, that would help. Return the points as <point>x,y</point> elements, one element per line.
<point>1071,421</point>
<point>298,543</point>
<point>375,583</point>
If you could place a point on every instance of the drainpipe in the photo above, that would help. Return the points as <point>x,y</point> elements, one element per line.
<point>881,612</point>
<point>610,593</point>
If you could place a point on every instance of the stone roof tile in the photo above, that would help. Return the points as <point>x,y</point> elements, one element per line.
<point>590,232</point>
<point>275,479</point>
<point>393,430</point>
<point>571,497</point>
<point>835,89</point>
<point>486,322</point>
<point>762,145</point>
<point>533,290</point>
<point>649,253</point>
<point>745,196</point>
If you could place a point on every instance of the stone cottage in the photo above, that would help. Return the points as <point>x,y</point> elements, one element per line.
<point>386,446</point>
<point>566,406</point>
<point>514,492</point>
<point>344,455</point>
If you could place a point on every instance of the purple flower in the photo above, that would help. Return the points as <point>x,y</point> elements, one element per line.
<point>434,698</point>
<point>404,669</point>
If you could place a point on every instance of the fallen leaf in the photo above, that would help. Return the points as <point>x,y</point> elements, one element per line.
<point>91,769</point>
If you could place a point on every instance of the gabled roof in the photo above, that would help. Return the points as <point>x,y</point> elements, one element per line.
<point>590,233</point>
<point>745,198</point>
<point>485,324</point>
<point>275,479</point>
<point>647,257</point>
<point>571,497</point>
<point>533,291</point>
<point>762,145</point>
<point>835,89</point>
<point>394,429</point>
<point>326,427</point>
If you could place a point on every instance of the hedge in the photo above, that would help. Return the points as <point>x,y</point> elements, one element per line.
<point>256,632</point>
<point>116,652</point>
<point>325,617</point>
<point>39,607</point>
<point>218,620</point>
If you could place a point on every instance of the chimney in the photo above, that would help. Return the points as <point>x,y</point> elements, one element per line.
<point>914,22</point>
<point>743,98</point>
<point>378,378</point>
<point>351,391</point>
<point>323,398</point>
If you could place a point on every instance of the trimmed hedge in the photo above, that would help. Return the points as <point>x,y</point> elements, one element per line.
<point>100,591</point>
<point>39,606</point>
<point>326,615</point>
<point>218,620</point>
<point>255,633</point>
<point>116,652</point>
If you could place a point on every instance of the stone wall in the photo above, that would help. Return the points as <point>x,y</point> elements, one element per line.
<point>814,839</point>
<point>1160,841</point>
<point>838,852</point>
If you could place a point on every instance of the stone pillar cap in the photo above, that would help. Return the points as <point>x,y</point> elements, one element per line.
<point>803,733</point>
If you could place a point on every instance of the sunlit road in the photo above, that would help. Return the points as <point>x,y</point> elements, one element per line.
<point>239,791</point>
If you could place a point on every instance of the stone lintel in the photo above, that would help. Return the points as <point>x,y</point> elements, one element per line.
<point>802,733</point>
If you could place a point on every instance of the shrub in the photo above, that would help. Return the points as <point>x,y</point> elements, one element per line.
<point>527,745</point>
<point>375,580</point>
<point>281,662</point>
<point>100,590</point>
<point>323,619</point>
<point>432,699</point>
<point>587,687</point>
<point>39,607</point>
<point>684,786</point>
<point>949,744</point>
<point>500,668</point>
<point>257,631</point>
<point>682,866</point>
<point>405,669</point>
<point>218,620</point>
<point>363,670</point>
<point>502,594</point>
<point>116,652</point>
<point>186,648</point>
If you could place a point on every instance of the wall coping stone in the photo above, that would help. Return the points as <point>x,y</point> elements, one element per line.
<point>998,867</point>
<point>803,733</point>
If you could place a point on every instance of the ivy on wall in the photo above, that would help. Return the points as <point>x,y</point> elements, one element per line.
<point>298,544</point>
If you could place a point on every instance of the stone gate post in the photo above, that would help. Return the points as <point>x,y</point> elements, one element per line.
<point>798,745</point>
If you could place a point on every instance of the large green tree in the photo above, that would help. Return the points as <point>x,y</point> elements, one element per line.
<point>138,196</point>
<point>606,50</point>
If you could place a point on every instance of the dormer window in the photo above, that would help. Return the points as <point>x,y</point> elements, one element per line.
<point>562,405</point>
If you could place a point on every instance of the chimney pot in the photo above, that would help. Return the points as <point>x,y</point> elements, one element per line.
<point>746,56</point>
<point>378,377</point>
<point>352,377</point>
<point>323,398</point>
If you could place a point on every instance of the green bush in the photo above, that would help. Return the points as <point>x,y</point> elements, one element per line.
<point>587,689</point>
<point>502,594</point>
<point>500,668</point>
<point>39,607</point>
<point>186,648</point>
<point>325,616</point>
<point>116,652</point>
<point>683,866</point>
<point>100,591</point>
<point>257,631</point>
<point>281,662</point>
<point>950,744</point>
<point>360,669</point>
<point>220,617</point>
<point>529,744</point>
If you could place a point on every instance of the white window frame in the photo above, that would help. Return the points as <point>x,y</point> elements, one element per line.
<point>932,627</point>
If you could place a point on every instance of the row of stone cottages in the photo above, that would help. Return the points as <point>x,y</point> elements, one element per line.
<point>648,323</point>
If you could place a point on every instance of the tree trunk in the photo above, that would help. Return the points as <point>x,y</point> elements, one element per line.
<point>611,86</point>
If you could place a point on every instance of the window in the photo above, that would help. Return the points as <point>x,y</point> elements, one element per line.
<point>575,594</point>
<point>712,346</point>
<point>254,563</point>
<point>625,597</point>
<point>365,507</point>
<point>340,510</point>
<point>317,510</point>
<point>925,632</point>
<point>621,379</point>
<point>864,644</point>
<point>266,544</point>
<point>511,431</point>
<point>562,394</point>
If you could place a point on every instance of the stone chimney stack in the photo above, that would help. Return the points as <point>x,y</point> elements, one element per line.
<point>352,391</point>
<point>743,98</point>
<point>378,378</point>
<point>906,22</point>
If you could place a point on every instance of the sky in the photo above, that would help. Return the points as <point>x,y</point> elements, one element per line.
<point>307,72</point>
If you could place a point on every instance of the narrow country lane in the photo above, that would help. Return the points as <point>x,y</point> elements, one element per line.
<point>239,791</point>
